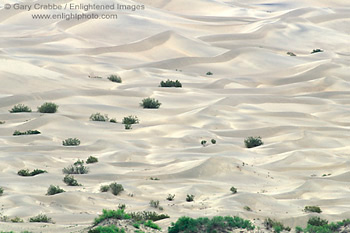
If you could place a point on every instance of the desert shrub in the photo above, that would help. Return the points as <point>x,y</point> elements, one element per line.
<point>107,229</point>
<point>317,221</point>
<point>316,51</point>
<point>122,206</point>
<point>116,188</point>
<point>104,188</point>
<point>1,191</point>
<point>275,225</point>
<point>291,54</point>
<point>298,230</point>
<point>155,178</point>
<point>251,142</point>
<point>111,214</point>
<point>154,204</point>
<point>150,103</point>
<point>213,141</point>
<point>203,142</point>
<point>113,120</point>
<point>98,117</point>
<point>28,132</point>
<point>127,126</point>
<point>25,172</point>
<point>233,190</point>
<point>247,208</point>
<point>151,224</point>
<point>170,197</point>
<point>20,108</point>
<point>71,142</point>
<point>189,197</point>
<point>52,190</point>
<point>48,108</point>
<point>216,224</point>
<point>70,181</point>
<point>314,209</point>
<point>76,169</point>
<point>170,83</point>
<point>115,78</point>
<point>209,73</point>
<point>2,122</point>
<point>40,218</point>
<point>129,120</point>
<point>78,162</point>
<point>92,159</point>
<point>147,215</point>
<point>16,219</point>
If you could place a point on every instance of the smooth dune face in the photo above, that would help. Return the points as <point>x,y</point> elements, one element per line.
<point>299,105</point>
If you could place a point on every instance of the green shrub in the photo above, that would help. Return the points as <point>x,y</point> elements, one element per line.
<point>115,78</point>
<point>154,204</point>
<point>170,83</point>
<point>213,141</point>
<point>203,142</point>
<point>71,142</point>
<point>151,224</point>
<point>40,218</point>
<point>275,225</point>
<point>291,54</point>
<point>190,198</point>
<point>317,221</point>
<point>20,108</point>
<point>136,225</point>
<point>1,191</point>
<point>316,51</point>
<point>170,197</point>
<point>91,159</point>
<point>122,206</point>
<point>16,220</point>
<point>113,120</point>
<point>298,230</point>
<point>25,172</point>
<point>251,142</point>
<point>48,108</point>
<point>147,215</point>
<point>209,73</point>
<point>129,120</point>
<point>78,162</point>
<point>70,181</point>
<point>233,190</point>
<point>76,169</point>
<point>28,132</point>
<point>247,208</point>
<point>52,190</point>
<point>150,103</point>
<point>155,178</point>
<point>98,117</point>
<point>314,209</point>
<point>104,188</point>
<point>116,188</point>
<point>127,126</point>
<point>111,214</point>
<point>107,229</point>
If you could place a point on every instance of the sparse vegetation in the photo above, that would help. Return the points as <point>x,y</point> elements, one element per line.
<point>113,120</point>
<point>314,209</point>
<point>127,126</point>
<point>233,190</point>
<point>129,120</point>
<point>104,188</point>
<point>190,198</point>
<point>48,108</point>
<point>71,142</point>
<point>170,83</point>
<point>2,122</point>
<point>251,142</point>
<point>52,190</point>
<point>25,172</point>
<point>107,229</point>
<point>111,214</point>
<point>151,224</point>
<point>76,168</point>
<point>1,191</point>
<point>209,73</point>
<point>115,78</point>
<point>318,225</point>
<point>116,188</point>
<point>213,141</point>
<point>247,208</point>
<point>91,159</point>
<point>150,103</point>
<point>316,51</point>
<point>20,108</point>
<point>275,225</point>
<point>203,142</point>
<point>16,220</point>
<point>41,218</point>
<point>155,178</point>
<point>147,215</point>
<point>154,204</point>
<point>98,117</point>
<point>170,197</point>
<point>70,181</point>
<point>28,132</point>
<point>291,54</point>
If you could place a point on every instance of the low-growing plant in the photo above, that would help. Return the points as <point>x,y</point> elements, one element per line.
<point>71,142</point>
<point>136,225</point>
<point>170,197</point>
<point>314,209</point>
<point>20,108</point>
<point>98,117</point>
<point>107,229</point>
<point>170,83</point>
<point>316,51</point>
<point>150,103</point>
<point>91,159</point>
<point>233,190</point>
<point>76,169</point>
<point>275,225</point>
<point>209,73</point>
<point>116,188</point>
<point>70,181</point>
<point>1,191</point>
<point>155,178</point>
<point>122,206</point>
<point>48,108</point>
<point>78,162</point>
<point>40,218</point>
<point>317,221</point>
<point>112,214</point>
<point>151,224</point>
<point>113,120</point>
<point>213,141</point>
<point>247,208</point>
<point>203,142</point>
<point>129,120</point>
<point>128,126</point>
<point>52,190</point>
<point>115,78</point>
<point>291,54</point>
<point>251,142</point>
<point>25,172</point>
<point>147,215</point>
<point>28,132</point>
<point>2,122</point>
<point>16,219</point>
<point>104,188</point>
<point>190,197</point>
<point>154,204</point>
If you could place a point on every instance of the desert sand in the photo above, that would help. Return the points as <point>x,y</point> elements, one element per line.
<point>299,105</point>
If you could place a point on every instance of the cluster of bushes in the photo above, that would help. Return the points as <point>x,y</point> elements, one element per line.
<point>251,142</point>
<point>25,172</point>
<point>204,142</point>
<point>318,225</point>
<point>52,190</point>
<point>275,225</point>
<point>71,142</point>
<point>312,209</point>
<point>115,188</point>
<point>47,107</point>
<point>28,132</point>
<point>150,103</point>
<point>77,168</point>
<point>170,83</point>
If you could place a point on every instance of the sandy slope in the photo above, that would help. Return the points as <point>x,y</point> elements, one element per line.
<point>298,105</point>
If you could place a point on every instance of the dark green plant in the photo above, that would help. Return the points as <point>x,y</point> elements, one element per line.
<point>170,197</point>
<point>298,230</point>
<point>104,188</point>
<point>70,181</point>
<point>71,142</point>
<point>151,224</point>
<point>155,178</point>
<point>122,206</point>
<point>154,204</point>
<point>247,208</point>
<point>251,142</point>
<point>203,142</point>
<point>78,162</point>
<point>25,172</point>
<point>28,132</point>
<point>91,159</point>
<point>170,83</point>
<point>111,214</point>
<point>275,225</point>
<point>20,108</point>
<point>2,122</point>
<point>16,220</point>
<point>127,126</point>
<point>41,218</point>
<point>190,198</point>
<point>150,103</point>
<point>113,120</point>
<point>314,209</point>
<point>291,54</point>
<point>98,117</point>
<point>52,190</point>
<point>147,215</point>
<point>48,108</point>
<point>115,78</point>
<point>136,225</point>
<point>76,169</point>
<point>116,188</point>
<point>233,190</point>
<point>316,51</point>
<point>129,120</point>
<point>107,229</point>
<point>209,73</point>
<point>213,141</point>
<point>317,221</point>
<point>1,191</point>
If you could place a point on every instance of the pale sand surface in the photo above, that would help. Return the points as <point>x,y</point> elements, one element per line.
<point>298,105</point>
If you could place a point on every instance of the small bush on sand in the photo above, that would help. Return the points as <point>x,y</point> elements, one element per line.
<point>251,142</point>
<point>203,142</point>
<point>154,204</point>
<point>25,172</point>
<point>107,229</point>
<point>213,141</point>
<point>20,108</point>
<point>104,188</point>
<point>1,191</point>
<point>98,117</point>
<point>111,214</point>
<point>170,83</point>
<point>128,126</point>
<point>115,78</point>
<point>209,73</point>
<point>291,54</point>
<point>113,120</point>
<point>71,142</point>
<point>129,120</point>
<point>48,108</point>
<point>314,209</point>
<point>28,132</point>
<point>2,122</point>
<point>116,188</point>
<point>76,169</point>
<point>317,51</point>
<point>151,224</point>
<point>150,103</point>
<point>16,220</point>
<point>91,159</point>
<point>233,190</point>
<point>70,181</point>
<point>40,218</point>
<point>276,226</point>
<point>170,197</point>
<point>52,190</point>
<point>190,198</point>
<point>247,208</point>
<point>147,215</point>
<point>317,221</point>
